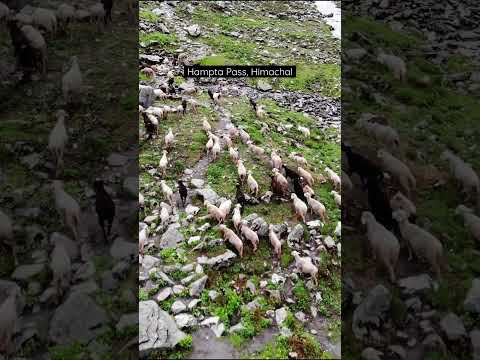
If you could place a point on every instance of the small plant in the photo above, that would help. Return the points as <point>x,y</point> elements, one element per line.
<point>142,295</point>
<point>186,342</point>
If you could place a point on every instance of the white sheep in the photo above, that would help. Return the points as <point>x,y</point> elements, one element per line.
<point>317,207</point>
<point>232,238</point>
<point>162,165</point>
<point>252,184</point>
<point>463,174</point>
<point>300,207</point>
<point>164,214</point>
<point>142,240</point>
<point>299,159</point>
<point>227,140</point>
<point>206,126</point>
<point>385,134</point>
<point>226,207</point>
<point>275,241</point>
<point>97,15</point>
<point>6,234</point>
<point>72,81</point>
<point>250,235</point>
<point>346,182</point>
<point>471,221</point>
<point>241,170</point>
<point>58,138</point>
<point>244,136</point>
<point>65,15</point>
<point>68,208</point>
<point>398,170</point>
<point>159,94</point>
<point>8,325</point>
<point>276,160</point>
<point>308,190</point>
<point>4,12</point>
<point>167,192</point>
<point>305,265</point>
<point>384,245</point>
<point>237,217</point>
<point>395,64</point>
<point>141,200</point>
<point>304,130</point>
<point>169,138</point>
<point>216,150</point>
<point>334,178</point>
<point>337,198</point>
<point>233,132</point>
<point>37,42</point>
<point>234,155</point>
<point>401,202</point>
<point>61,267</point>
<point>45,19</point>
<point>306,175</point>
<point>257,150</point>
<point>421,242</point>
<point>215,212</point>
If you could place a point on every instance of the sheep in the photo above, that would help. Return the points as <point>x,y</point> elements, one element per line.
<point>400,201</point>
<point>308,190</point>
<point>169,138</point>
<point>346,182</point>
<point>304,130</point>
<point>105,208</point>
<point>72,81</point>
<point>378,202</point>
<point>358,164</point>
<point>194,105</point>
<point>260,112</point>
<point>151,124</point>
<point>316,207</point>
<point>386,135</point>
<point>206,126</point>
<point>226,207</point>
<point>233,132</point>
<point>421,242</point>
<point>142,239</point>
<point>167,192</point>
<point>37,44</point>
<point>306,175</point>
<point>300,207</point>
<point>61,267</point>
<point>159,94</point>
<point>216,150</point>
<point>255,149</point>
<point>67,207</point>
<point>249,234</point>
<point>65,15</point>
<point>234,155</point>
<point>146,96</point>
<point>215,97</point>
<point>384,245</point>
<point>150,73</point>
<point>232,238</point>
<point>182,190</point>
<point>471,221</point>
<point>241,170</point>
<point>209,145</point>
<point>141,201</point>
<point>299,159</point>
<point>252,184</point>
<point>6,234</point>
<point>97,15</point>
<point>8,326</point>
<point>227,140</point>
<point>23,19</point>
<point>237,217</point>
<point>58,138</point>
<point>244,136</point>
<point>279,183</point>
<point>463,173</point>
<point>333,177</point>
<point>395,64</point>
<point>305,265</point>
<point>276,160</point>
<point>215,212</point>
<point>107,6</point>
<point>4,12</point>
<point>164,214</point>
<point>337,198</point>
<point>398,170</point>
<point>162,165</point>
<point>45,19</point>
<point>275,241</point>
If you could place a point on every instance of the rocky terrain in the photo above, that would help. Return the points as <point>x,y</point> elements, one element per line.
<point>198,298</point>
<point>419,316</point>
<point>97,315</point>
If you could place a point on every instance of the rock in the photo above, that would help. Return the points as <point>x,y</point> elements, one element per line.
<point>251,306</point>
<point>194,30</point>
<point>85,271</point>
<point>372,310</point>
<point>338,229</point>
<point>399,351</point>
<point>315,224</point>
<point>117,160</point>
<point>25,272</point>
<point>236,328</point>
<point>453,327</point>
<point>292,354</point>
<point>356,54</point>
<point>197,286</point>
<point>213,294</point>
<point>178,306</point>
<point>171,237</point>
<point>163,294</point>
<point>281,315</point>
<point>122,249</point>
<point>70,246</point>
<point>313,332</point>
<point>192,210</point>
<point>33,212</point>
<point>149,262</point>
<point>260,226</point>
<point>76,320</point>
<point>472,300</point>
<point>313,311</point>
<point>475,339</point>
<point>7,287</point>
<point>263,85</point>
<point>263,284</point>
<point>204,227</point>
<point>217,261</point>
<point>194,239</point>
<point>207,194</point>
<point>280,229</point>
<point>251,286</point>
<point>415,284</point>
<point>296,234</point>
<point>157,329</point>
<point>218,329</point>
<point>371,354</point>
<point>434,342</point>
<point>192,304</point>
<point>285,331</point>
<point>109,282</point>
<point>300,316</point>
<point>197,183</point>
<point>150,219</point>
<point>178,289</point>
<point>31,160</point>
<point>188,279</point>
<point>213,320</point>
<point>127,320</point>
<point>277,279</point>
<point>329,242</point>
<point>185,320</point>
<point>130,186</point>
<point>198,269</point>
<point>187,268</point>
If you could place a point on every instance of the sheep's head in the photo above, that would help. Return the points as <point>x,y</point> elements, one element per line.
<point>293,196</point>
<point>222,227</point>
<point>294,254</point>
<point>400,216</point>
<point>446,154</point>
<point>57,184</point>
<point>238,206</point>
<point>61,114</point>
<point>381,153</point>
<point>307,195</point>
<point>367,216</point>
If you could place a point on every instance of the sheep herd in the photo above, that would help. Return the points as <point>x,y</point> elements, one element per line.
<point>299,190</point>
<point>389,219</point>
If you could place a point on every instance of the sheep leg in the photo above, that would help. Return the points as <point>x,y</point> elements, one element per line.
<point>101,221</point>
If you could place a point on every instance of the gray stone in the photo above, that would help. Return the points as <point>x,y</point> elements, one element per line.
<point>70,246</point>
<point>122,249</point>
<point>415,284</point>
<point>372,310</point>
<point>472,300</point>
<point>356,54</point>
<point>251,286</point>
<point>163,294</point>
<point>31,160</point>
<point>192,210</point>
<point>315,224</point>
<point>338,229</point>
<point>207,194</point>
<point>8,287</point>
<point>192,304</point>
<point>213,294</point>
<point>157,329</point>
<point>130,186</point>
<point>236,328</point>
<point>218,261</point>
<point>371,354</point>
<point>187,268</point>
<point>300,316</point>
<point>199,269</point>
<point>398,350</point>
<point>218,329</point>
<point>197,183</point>
<point>194,30</point>
<point>185,320</point>
<point>117,160</point>
<point>264,86</point>
<point>213,320</point>
<point>76,320</point>
<point>277,279</point>
<point>475,340</point>
<point>171,237</point>
<point>149,262</point>
<point>178,289</point>
<point>86,287</point>
<point>109,282</point>
<point>194,239</point>
<point>197,286</point>
<point>25,272</point>
<point>281,315</point>
<point>453,327</point>
<point>329,242</point>
<point>178,306</point>
<point>296,234</point>
<point>127,320</point>
<point>204,227</point>
<point>434,342</point>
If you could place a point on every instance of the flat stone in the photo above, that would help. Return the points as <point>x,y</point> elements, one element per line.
<point>127,320</point>
<point>171,237</point>
<point>178,289</point>
<point>178,306</point>
<point>122,249</point>
<point>416,284</point>
<point>213,320</point>
<point>236,328</point>
<point>164,294</point>
<point>315,224</point>
<point>263,85</point>
<point>281,315</point>
<point>185,320</point>
<point>197,286</point>
<point>192,304</point>
<point>453,327</point>
<point>218,329</point>
<point>192,210</point>
<point>197,183</point>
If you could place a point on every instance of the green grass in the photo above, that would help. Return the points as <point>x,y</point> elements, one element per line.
<point>148,15</point>
<point>216,60</point>
<point>302,297</point>
<point>75,351</point>
<point>166,41</point>
<point>243,52</point>
<point>322,78</point>
<point>222,175</point>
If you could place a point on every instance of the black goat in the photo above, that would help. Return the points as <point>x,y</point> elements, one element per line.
<point>24,54</point>
<point>104,206</point>
<point>254,104</point>
<point>149,127</point>
<point>184,106</point>
<point>240,196</point>
<point>360,164</point>
<point>107,6</point>
<point>182,189</point>
<point>379,203</point>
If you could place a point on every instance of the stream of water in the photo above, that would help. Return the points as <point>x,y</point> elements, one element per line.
<point>327,8</point>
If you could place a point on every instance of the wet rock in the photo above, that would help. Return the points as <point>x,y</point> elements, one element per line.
<point>25,272</point>
<point>281,315</point>
<point>296,234</point>
<point>127,320</point>
<point>371,311</point>
<point>197,286</point>
<point>453,327</point>
<point>164,294</point>
<point>122,249</point>
<point>117,160</point>
<point>157,329</point>
<point>416,284</point>
<point>472,300</point>
<point>130,187</point>
<point>218,329</point>
<point>171,237</point>
<point>76,320</point>
<point>371,354</point>
<point>185,321</point>
<point>194,30</point>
